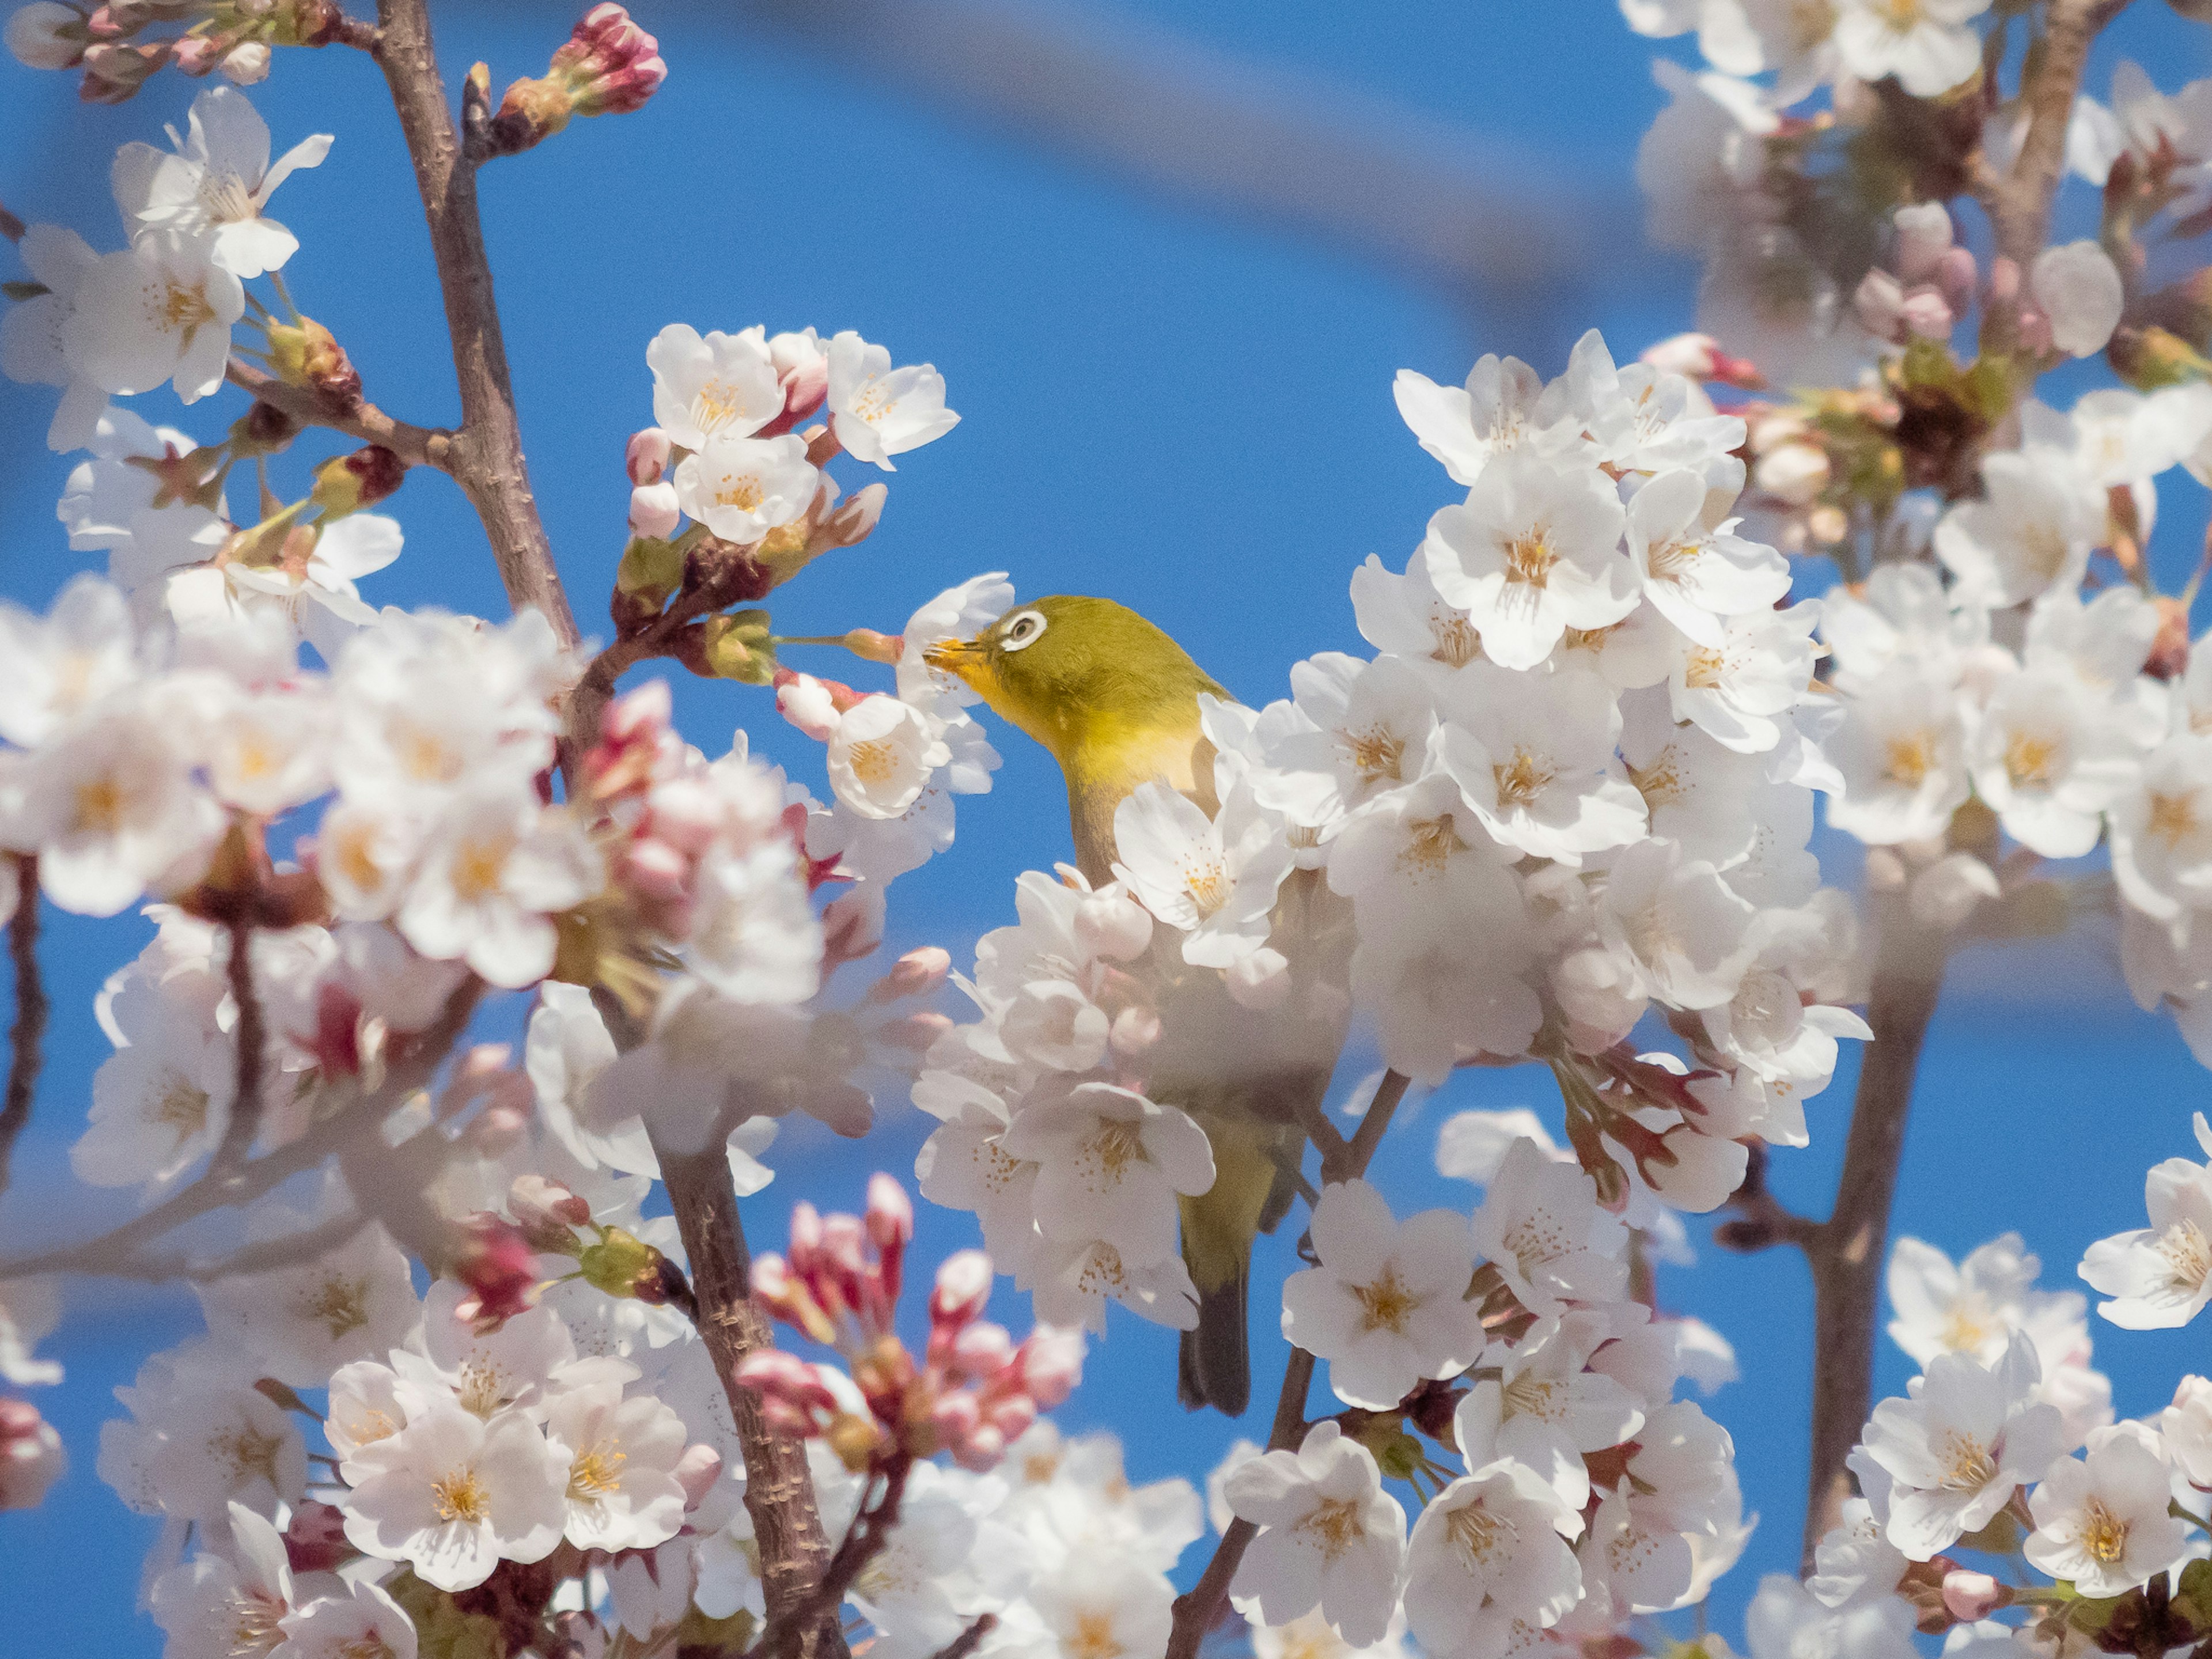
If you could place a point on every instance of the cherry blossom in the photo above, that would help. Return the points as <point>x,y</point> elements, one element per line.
<point>212,190</point>
<point>1329,1535</point>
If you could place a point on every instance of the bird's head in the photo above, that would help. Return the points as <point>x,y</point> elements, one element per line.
<point>1061,667</point>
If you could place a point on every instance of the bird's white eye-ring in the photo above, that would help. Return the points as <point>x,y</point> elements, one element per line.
<point>1024,630</point>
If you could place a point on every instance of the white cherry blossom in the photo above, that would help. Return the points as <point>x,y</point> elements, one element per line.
<point>1490,1549</point>
<point>1387,1304</point>
<point>159,310</point>
<point>1694,573</point>
<point>1110,1165</point>
<point>743,487</point>
<point>1928,44</point>
<point>1329,1535</point>
<point>364,1624</point>
<point>1540,1225</point>
<point>2101,1521</point>
<point>713,385</point>
<point>878,411</point>
<point>213,189</point>
<point>452,1496</point>
<point>2160,1275</point>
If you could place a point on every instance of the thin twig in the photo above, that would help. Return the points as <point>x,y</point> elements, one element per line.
<point>487,450</point>
<point>288,1251</point>
<point>114,1254</point>
<point>250,1043</point>
<point>1369,1135</point>
<point>417,446</point>
<point>27,1038</point>
<point>11,226</point>
<point>1313,1117</point>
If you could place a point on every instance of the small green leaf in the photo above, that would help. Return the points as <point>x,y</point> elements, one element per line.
<point>739,646</point>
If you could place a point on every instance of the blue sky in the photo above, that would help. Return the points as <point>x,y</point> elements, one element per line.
<point>1164,399</point>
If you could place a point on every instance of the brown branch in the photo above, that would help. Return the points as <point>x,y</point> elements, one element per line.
<point>115,1254</point>
<point>486,453</point>
<point>251,1042</point>
<point>864,1540</point>
<point>1847,1250</point>
<point>1763,1220</point>
<point>969,1640</point>
<point>1195,1611</point>
<point>417,446</point>
<point>355,32</point>
<point>2018,203</point>
<point>11,226</point>
<point>1369,1135</point>
<point>794,1551</point>
<point>27,1039</point>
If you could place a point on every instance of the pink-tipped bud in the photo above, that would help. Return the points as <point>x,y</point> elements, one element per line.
<point>1011,1415</point>
<point>807,702</point>
<point>955,1416</point>
<point>696,1471</point>
<point>198,55</point>
<point>963,1286</point>
<point>31,1456</point>
<point>498,1266</point>
<point>1928,314</point>
<point>656,871</point>
<point>916,974</point>
<point>1924,237</point>
<point>1968,1596</point>
<point>547,1212</point>
<point>890,1213</point>
<point>1052,1364</point>
<point>981,1451</point>
<point>984,1351</point>
<point>791,1391</point>
<point>335,1043</point>
<point>647,455</point>
<point>1691,356</point>
<point>787,1296</point>
<point>653,510</point>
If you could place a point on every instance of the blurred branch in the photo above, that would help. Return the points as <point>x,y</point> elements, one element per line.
<point>1389,183</point>
<point>251,1043</point>
<point>27,1038</point>
<point>117,1254</point>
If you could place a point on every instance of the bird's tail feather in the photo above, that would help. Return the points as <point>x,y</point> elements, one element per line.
<point>1214,1363</point>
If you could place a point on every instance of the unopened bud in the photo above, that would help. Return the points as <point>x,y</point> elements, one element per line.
<point>1968,1596</point>
<point>346,484</point>
<point>623,1264</point>
<point>916,1033</point>
<point>650,569</point>
<point>1926,314</point>
<point>653,510</point>
<point>315,1541</point>
<point>115,69</point>
<point>548,1214</point>
<point>851,523</point>
<point>197,55</point>
<point>964,1285</point>
<point>246,63</point>
<point>647,455</point>
<point>1134,1031</point>
<point>1114,926</point>
<point>1052,1364</point>
<point>500,1270</point>
<point>48,36</point>
<point>607,66</point>
<point>855,1439</point>
<point>306,354</point>
<point>1792,473</point>
<point>264,429</point>
<point>2169,650</point>
<point>1924,237</point>
<point>916,974</point>
<point>889,1219</point>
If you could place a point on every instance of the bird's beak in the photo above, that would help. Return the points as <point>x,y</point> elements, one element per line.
<point>958,657</point>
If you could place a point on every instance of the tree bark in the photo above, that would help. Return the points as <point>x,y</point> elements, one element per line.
<point>486,452</point>
<point>794,1551</point>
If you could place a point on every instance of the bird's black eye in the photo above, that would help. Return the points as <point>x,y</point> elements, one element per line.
<point>1022,630</point>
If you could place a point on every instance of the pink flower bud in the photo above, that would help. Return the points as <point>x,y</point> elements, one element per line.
<point>1968,1596</point>
<point>955,1416</point>
<point>983,1351</point>
<point>916,974</point>
<point>31,1456</point>
<point>981,1451</point>
<point>1052,1364</point>
<point>964,1285</point>
<point>853,924</point>
<point>789,1388</point>
<point>1792,473</point>
<point>315,1541</point>
<point>807,703</point>
<point>647,455</point>
<point>547,1213</point>
<point>198,55</point>
<point>696,1471</point>
<point>1692,355</point>
<point>787,1296</point>
<point>655,871</point>
<point>499,1268</point>
<point>1924,237</point>
<point>653,511</point>
<point>1013,1414</point>
<point>1879,302</point>
<point>1928,314</point>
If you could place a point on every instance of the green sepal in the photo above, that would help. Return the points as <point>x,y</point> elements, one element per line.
<point>1397,1454</point>
<point>738,647</point>
<point>650,567</point>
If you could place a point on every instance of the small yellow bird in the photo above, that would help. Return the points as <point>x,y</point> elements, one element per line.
<point>1115,701</point>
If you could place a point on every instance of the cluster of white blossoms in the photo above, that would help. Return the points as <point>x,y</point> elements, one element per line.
<point>2007,1446</point>
<point>1574,1490</point>
<point>350,1461</point>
